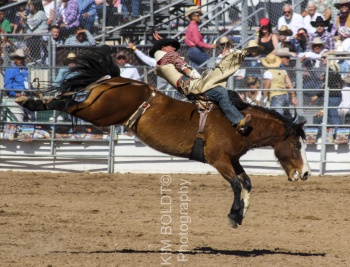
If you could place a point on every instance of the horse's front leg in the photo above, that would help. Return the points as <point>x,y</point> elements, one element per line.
<point>247,185</point>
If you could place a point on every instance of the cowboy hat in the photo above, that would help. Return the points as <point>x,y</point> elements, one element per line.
<point>271,61</point>
<point>223,40</point>
<point>346,79</point>
<point>341,2</point>
<point>164,42</point>
<point>69,58</point>
<point>17,53</point>
<point>284,52</point>
<point>285,29</point>
<point>254,43</point>
<point>319,20</point>
<point>193,9</point>
<point>316,40</point>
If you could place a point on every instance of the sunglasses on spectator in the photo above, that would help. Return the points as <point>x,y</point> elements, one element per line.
<point>287,12</point>
<point>287,57</point>
<point>263,27</point>
<point>319,25</point>
<point>251,84</point>
<point>121,57</point>
<point>323,57</point>
<point>317,45</point>
<point>224,44</point>
<point>343,5</point>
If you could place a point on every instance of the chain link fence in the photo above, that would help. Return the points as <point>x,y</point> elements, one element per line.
<point>327,116</point>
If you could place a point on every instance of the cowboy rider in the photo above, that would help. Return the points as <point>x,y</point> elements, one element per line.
<point>187,80</point>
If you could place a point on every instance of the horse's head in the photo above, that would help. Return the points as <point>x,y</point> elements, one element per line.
<point>291,153</point>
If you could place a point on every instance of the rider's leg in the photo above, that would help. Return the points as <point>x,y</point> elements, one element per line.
<point>221,97</point>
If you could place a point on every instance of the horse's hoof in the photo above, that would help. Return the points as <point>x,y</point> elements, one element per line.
<point>232,223</point>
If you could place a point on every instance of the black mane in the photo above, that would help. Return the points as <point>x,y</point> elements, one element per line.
<point>90,66</point>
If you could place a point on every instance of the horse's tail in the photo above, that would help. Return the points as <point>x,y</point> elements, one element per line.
<point>89,67</point>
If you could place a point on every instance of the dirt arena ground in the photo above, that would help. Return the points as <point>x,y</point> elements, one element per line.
<point>50,219</point>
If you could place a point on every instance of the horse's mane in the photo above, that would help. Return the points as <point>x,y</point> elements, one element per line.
<point>90,66</point>
<point>287,122</point>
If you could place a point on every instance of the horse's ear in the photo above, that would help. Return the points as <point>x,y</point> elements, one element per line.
<point>298,126</point>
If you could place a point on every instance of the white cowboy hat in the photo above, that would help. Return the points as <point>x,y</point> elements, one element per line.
<point>193,9</point>
<point>18,53</point>
<point>341,2</point>
<point>69,58</point>
<point>271,61</point>
<point>224,40</point>
<point>316,40</point>
<point>284,52</point>
<point>254,43</point>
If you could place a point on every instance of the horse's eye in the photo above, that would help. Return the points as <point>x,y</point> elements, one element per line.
<point>297,145</point>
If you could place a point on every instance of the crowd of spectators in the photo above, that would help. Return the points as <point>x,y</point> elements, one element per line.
<point>309,36</point>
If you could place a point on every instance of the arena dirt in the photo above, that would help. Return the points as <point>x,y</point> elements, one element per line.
<point>82,219</point>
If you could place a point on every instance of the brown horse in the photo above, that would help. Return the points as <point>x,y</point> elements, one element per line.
<point>171,126</point>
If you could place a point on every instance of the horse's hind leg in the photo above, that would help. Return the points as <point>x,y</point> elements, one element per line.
<point>236,213</point>
<point>247,185</point>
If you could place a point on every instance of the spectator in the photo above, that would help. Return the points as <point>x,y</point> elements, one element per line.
<point>300,41</point>
<point>20,19</point>
<point>82,37</point>
<point>49,8</point>
<point>5,26</point>
<point>343,19</point>
<point>283,32</point>
<point>320,24</point>
<point>344,34</point>
<point>16,81</point>
<point>226,46</point>
<point>68,63</point>
<point>277,78</point>
<point>56,35</point>
<point>312,63</point>
<point>344,106</point>
<point>252,63</point>
<point>126,69</point>
<point>135,9</point>
<point>61,12</point>
<point>194,39</point>
<point>265,37</point>
<point>343,64</point>
<point>253,97</point>
<point>37,23</point>
<point>292,20</point>
<point>323,7</point>
<point>87,12</point>
<point>71,21</point>
<point>311,16</point>
<point>285,54</point>
<point>335,97</point>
